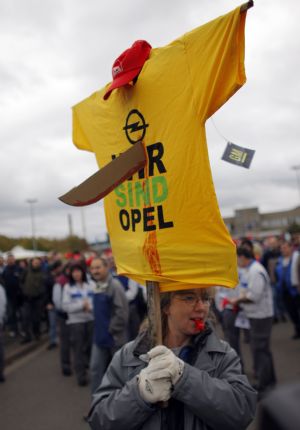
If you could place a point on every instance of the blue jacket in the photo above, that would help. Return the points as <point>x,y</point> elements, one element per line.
<point>283,275</point>
<point>110,313</point>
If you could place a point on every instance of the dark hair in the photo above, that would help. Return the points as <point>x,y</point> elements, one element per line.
<point>245,252</point>
<point>247,243</point>
<point>286,242</point>
<point>165,300</point>
<point>77,266</point>
<point>36,258</point>
<point>55,265</point>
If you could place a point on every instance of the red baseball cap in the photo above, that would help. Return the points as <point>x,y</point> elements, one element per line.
<point>128,65</point>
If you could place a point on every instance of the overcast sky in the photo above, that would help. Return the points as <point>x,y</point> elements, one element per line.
<point>55,53</point>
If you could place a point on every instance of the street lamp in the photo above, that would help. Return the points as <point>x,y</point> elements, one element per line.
<point>297,170</point>
<point>83,224</point>
<point>31,203</point>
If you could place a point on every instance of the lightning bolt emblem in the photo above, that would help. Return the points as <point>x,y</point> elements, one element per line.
<point>135,122</point>
<point>135,126</point>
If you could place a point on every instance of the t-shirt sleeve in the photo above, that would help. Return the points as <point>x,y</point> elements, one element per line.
<point>215,60</point>
<point>81,117</point>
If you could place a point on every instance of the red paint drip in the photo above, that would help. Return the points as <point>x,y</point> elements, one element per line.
<point>150,245</point>
<point>151,252</point>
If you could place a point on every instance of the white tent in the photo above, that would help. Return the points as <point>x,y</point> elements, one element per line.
<point>21,253</point>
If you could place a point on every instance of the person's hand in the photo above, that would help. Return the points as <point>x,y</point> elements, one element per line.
<point>154,384</point>
<point>86,306</point>
<point>49,307</point>
<point>233,300</point>
<point>162,358</point>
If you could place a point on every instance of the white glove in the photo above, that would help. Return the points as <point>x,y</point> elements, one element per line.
<point>162,357</point>
<point>158,378</point>
<point>154,384</point>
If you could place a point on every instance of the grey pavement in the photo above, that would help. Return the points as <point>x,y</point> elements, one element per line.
<point>14,350</point>
<point>36,396</point>
<point>286,354</point>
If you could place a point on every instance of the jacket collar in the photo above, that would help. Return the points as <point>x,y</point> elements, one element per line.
<point>207,341</point>
<point>214,344</point>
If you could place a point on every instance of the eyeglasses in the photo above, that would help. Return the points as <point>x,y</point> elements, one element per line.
<point>193,299</point>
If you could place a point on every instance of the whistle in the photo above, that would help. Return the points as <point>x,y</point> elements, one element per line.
<point>199,325</point>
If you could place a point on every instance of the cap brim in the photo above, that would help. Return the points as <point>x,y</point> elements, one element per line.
<point>121,81</point>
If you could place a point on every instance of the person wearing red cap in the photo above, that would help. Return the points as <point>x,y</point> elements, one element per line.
<point>198,374</point>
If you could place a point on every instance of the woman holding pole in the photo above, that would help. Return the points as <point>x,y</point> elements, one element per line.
<point>195,372</point>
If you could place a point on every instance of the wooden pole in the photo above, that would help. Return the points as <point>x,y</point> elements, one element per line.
<point>154,318</point>
<point>247,6</point>
<point>154,313</point>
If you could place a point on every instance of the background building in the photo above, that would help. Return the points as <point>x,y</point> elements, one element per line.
<point>250,221</point>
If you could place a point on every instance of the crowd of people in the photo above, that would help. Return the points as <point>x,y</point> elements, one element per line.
<point>268,293</point>
<point>86,308</point>
<point>91,314</point>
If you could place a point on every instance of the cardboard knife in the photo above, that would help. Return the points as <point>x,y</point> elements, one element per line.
<point>108,178</point>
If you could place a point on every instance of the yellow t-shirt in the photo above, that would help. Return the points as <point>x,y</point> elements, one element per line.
<point>164,223</point>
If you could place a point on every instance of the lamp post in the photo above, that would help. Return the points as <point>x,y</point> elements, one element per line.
<point>83,224</point>
<point>31,203</point>
<point>297,170</point>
